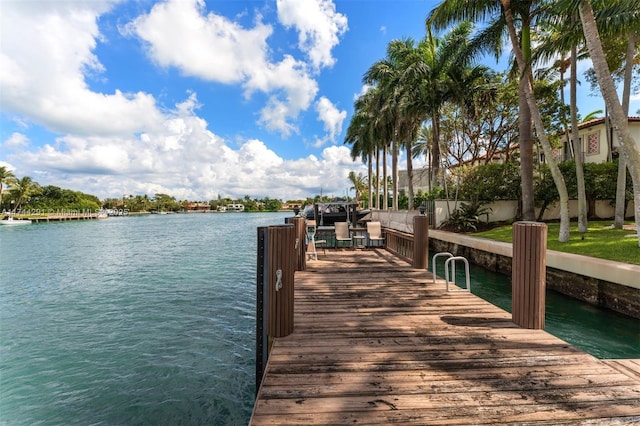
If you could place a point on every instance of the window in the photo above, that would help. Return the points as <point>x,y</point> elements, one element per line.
<point>593,143</point>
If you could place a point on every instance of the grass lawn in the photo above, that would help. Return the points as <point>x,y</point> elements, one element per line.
<point>599,241</point>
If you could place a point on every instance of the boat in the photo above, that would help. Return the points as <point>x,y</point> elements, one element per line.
<point>10,220</point>
<point>329,212</point>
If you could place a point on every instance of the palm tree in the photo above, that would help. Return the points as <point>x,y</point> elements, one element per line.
<point>431,74</point>
<point>607,87</point>
<point>561,37</point>
<point>503,20</point>
<point>490,40</point>
<point>558,179</point>
<point>618,23</point>
<point>385,74</point>
<point>423,148</point>
<point>22,189</point>
<point>368,132</point>
<point>616,18</point>
<point>622,164</point>
<point>6,176</point>
<point>358,184</point>
<point>431,77</point>
<point>405,128</point>
<point>360,135</point>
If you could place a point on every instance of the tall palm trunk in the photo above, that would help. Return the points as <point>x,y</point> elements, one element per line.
<point>526,133</point>
<point>620,121</point>
<point>394,170</point>
<point>577,144</point>
<point>385,154</point>
<point>622,164</point>
<point>435,148</point>
<point>370,177</point>
<point>526,156</point>
<point>409,149</point>
<point>565,127</point>
<point>376,201</point>
<point>523,67</point>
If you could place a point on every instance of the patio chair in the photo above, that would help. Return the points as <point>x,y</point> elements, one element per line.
<point>374,234</point>
<point>342,233</point>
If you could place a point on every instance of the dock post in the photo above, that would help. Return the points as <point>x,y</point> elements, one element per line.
<point>275,271</point>
<point>261,314</point>
<point>528,274</point>
<point>279,275</point>
<point>300,246</point>
<point>420,242</point>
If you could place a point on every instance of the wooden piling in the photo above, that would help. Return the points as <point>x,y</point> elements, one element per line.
<point>281,263</point>
<point>299,223</point>
<point>261,315</point>
<point>420,242</point>
<point>529,274</point>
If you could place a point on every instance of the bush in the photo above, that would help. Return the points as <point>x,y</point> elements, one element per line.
<point>491,182</point>
<point>466,218</point>
<point>600,183</point>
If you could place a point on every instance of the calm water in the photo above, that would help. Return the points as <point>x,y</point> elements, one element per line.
<point>151,320</point>
<point>134,320</point>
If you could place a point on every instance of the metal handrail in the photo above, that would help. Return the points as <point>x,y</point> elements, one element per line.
<point>433,262</point>
<point>452,260</point>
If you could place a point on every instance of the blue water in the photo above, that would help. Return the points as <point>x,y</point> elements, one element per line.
<point>150,320</point>
<point>134,320</point>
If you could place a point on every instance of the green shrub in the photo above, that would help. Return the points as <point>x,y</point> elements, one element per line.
<point>466,218</point>
<point>491,182</point>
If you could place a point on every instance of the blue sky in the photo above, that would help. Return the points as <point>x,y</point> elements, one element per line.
<point>193,98</point>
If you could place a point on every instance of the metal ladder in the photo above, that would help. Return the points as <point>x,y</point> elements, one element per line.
<point>451,260</point>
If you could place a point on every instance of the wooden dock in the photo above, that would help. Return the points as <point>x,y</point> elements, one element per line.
<point>376,342</point>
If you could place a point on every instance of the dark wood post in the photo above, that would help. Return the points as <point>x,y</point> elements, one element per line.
<point>299,223</point>
<point>528,274</point>
<point>281,262</point>
<point>420,242</point>
<point>262,340</point>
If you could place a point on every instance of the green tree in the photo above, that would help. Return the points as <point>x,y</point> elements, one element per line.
<point>385,74</point>
<point>490,12</point>
<point>22,189</point>
<point>522,60</point>
<point>619,24</point>
<point>607,87</point>
<point>358,185</point>
<point>6,177</point>
<point>360,134</point>
<point>491,182</point>
<point>435,76</point>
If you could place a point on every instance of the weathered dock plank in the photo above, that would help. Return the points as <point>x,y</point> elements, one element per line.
<point>376,342</point>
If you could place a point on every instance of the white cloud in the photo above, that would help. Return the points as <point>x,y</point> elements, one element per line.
<point>181,157</point>
<point>293,91</point>
<point>331,116</point>
<point>365,88</point>
<point>16,141</point>
<point>109,144</point>
<point>45,54</point>
<point>179,33</point>
<point>319,27</point>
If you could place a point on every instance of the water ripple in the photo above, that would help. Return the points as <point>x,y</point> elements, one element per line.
<point>138,320</point>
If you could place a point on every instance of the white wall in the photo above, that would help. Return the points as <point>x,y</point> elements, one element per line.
<point>402,220</point>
